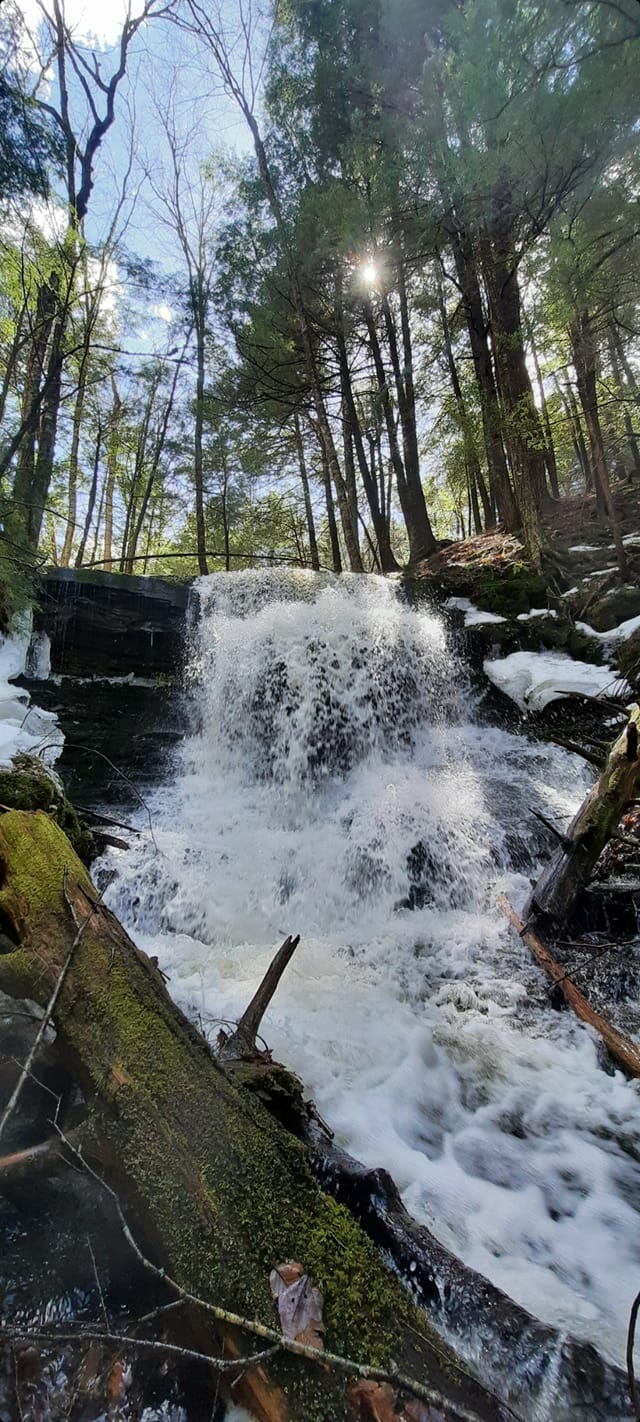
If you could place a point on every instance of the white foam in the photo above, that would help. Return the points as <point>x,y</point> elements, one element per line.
<point>336,749</point>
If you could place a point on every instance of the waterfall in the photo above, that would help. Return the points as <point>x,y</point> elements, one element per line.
<point>339,783</point>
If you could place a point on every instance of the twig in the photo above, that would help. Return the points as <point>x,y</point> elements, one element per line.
<point>222,1365</point>
<point>49,1010</point>
<point>91,750</point>
<point>631,1338</point>
<point>98,1285</point>
<point>392,1374</point>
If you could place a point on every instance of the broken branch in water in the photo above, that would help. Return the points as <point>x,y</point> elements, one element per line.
<point>622,1049</point>
<point>243,1040</point>
<point>575,749</point>
<point>631,1338</point>
<point>591,828</point>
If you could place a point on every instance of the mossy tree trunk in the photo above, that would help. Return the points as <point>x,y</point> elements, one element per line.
<point>223,1191</point>
<point>590,830</point>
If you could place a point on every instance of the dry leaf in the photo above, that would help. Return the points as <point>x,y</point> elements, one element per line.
<point>299,1304</point>
<point>378,1402</point>
<point>416,1411</point>
<point>374,1401</point>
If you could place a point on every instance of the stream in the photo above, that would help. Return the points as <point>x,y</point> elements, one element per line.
<point>339,780</point>
<point>339,785</point>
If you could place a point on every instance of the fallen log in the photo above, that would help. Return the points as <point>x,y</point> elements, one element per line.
<point>519,1356</point>
<point>224,1194</point>
<point>570,867</point>
<point>623,1051</point>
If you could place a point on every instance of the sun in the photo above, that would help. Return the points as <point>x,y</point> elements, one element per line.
<point>369,272</point>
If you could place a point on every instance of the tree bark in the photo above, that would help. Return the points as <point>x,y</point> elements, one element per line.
<point>549,452</point>
<point>112,470</point>
<point>223,1191</point>
<point>523,431</point>
<point>584,359</point>
<point>304,479</point>
<point>499,480</point>
<point>615,346</point>
<point>411,456</point>
<point>199,312</point>
<point>336,556</point>
<point>380,524</point>
<point>476,481</point>
<point>72,480</point>
<point>570,868</point>
<point>92,499</point>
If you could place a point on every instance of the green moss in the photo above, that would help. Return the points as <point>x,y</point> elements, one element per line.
<point>30,786</point>
<point>516,590</point>
<point>225,1193</point>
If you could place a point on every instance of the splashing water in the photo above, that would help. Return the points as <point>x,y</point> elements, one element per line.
<point>338,787</point>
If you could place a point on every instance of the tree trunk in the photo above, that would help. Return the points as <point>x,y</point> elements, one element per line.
<point>584,359</point>
<point>388,562</point>
<point>411,461</point>
<point>72,489</point>
<point>418,549</point>
<point>549,452</point>
<point>331,514</point>
<point>499,481</point>
<point>199,320</point>
<point>112,470</point>
<point>570,869</point>
<point>350,473</point>
<point>31,401</point>
<point>614,347</point>
<point>477,483</point>
<point>523,430</point>
<point>224,1193</point>
<point>577,437</point>
<point>92,499</point>
<point>47,429</point>
<point>304,479</point>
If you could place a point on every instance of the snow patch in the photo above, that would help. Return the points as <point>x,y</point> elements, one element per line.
<point>533,679</point>
<point>23,727</point>
<point>473,616</point>
<point>537,612</point>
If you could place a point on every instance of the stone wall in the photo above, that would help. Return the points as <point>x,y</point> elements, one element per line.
<point>112,624</point>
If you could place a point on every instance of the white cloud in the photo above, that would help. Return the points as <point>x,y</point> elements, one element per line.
<point>162,312</point>
<point>89,21</point>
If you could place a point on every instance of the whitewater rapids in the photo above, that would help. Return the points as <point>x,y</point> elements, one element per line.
<point>337,784</point>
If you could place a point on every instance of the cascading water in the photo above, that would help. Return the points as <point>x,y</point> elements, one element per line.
<point>338,786</point>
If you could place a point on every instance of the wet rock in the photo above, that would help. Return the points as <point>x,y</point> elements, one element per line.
<point>615,607</point>
<point>112,624</point>
<point>627,659</point>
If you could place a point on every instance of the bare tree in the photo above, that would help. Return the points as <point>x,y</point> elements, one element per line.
<point>185,203</point>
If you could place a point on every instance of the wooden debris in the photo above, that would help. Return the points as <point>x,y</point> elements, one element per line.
<point>597,819</point>
<point>623,1051</point>
<point>221,1190</point>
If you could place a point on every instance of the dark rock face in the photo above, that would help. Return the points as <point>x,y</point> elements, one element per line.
<point>112,624</point>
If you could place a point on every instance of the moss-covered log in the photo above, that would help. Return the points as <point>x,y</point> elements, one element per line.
<point>223,1191</point>
<point>590,830</point>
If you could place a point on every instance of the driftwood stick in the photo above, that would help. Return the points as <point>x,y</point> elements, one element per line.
<point>575,749</point>
<point>625,1052</point>
<point>548,824</point>
<point>243,1040</point>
